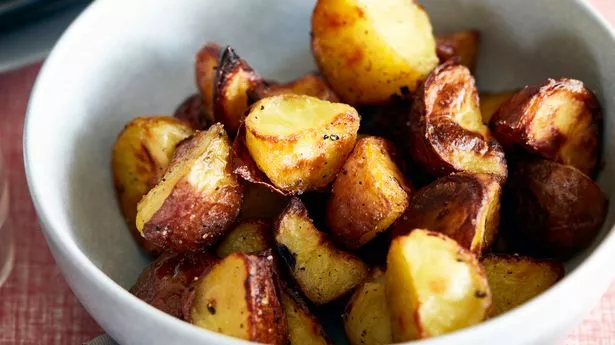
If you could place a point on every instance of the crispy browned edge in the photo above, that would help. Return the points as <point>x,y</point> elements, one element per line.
<point>509,122</point>
<point>270,88</point>
<point>464,44</point>
<point>267,322</point>
<point>206,65</point>
<point>421,140</point>
<point>466,195</point>
<point>301,304</point>
<point>351,212</point>
<point>191,111</point>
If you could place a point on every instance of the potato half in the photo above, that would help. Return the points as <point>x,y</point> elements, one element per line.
<point>371,50</point>
<point>192,111</point>
<point>515,279</point>
<point>239,298</point>
<point>559,120</point>
<point>303,326</point>
<point>164,282</point>
<point>141,154</point>
<point>311,84</point>
<point>446,130</point>
<point>463,206</point>
<point>322,271</point>
<point>206,68</point>
<point>433,286</point>
<point>367,319</point>
<point>368,195</point>
<point>197,199</point>
<point>300,142</point>
<point>248,236</point>
<point>462,45</point>
<point>491,102</point>
<point>551,209</point>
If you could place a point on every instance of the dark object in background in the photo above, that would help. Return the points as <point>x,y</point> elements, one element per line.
<point>14,13</point>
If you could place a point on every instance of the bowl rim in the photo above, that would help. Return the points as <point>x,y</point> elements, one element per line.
<point>593,266</point>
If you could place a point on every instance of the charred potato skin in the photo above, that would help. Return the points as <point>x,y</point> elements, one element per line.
<point>517,123</point>
<point>206,67</point>
<point>191,110</point>
<point>140,156</point>
<point>436,137</point>
<point>363,203</point>
<point>551,210</point>
<point>462,206</point>
<point>311,84</point>
<point>165,281</point>
<point>463,45</point>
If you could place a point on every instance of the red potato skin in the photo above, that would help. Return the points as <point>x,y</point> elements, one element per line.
<point>192,111</point>
<point>206,67</point>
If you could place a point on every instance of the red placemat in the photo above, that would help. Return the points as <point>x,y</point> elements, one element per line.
<point>36,305</point>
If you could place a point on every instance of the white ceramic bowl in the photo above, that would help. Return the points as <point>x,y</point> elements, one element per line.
<point>121,59</point>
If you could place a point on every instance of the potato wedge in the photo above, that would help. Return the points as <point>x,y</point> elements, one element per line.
<point>310,84</point>
<point>515,279</point>
<point>261,202</point>
<point>462,45</point>
<point>491,102</point>
<point>239,298</point>
<point>191,110</point>
<point>322,271</point>
<point>371,50</point>
<point>368,195</point>
<point>367,319</point>
<point>303,326</point>
<point>433,286</point>
<point>446,132</point>
<point>300,142</point>
<point>197,199</point>
<point>165,281</point>
<point>551,209</point>
<point>248,236</point>
<point>463,206</point>
<point>141,154</point>
<point>559,120</point>
<point>206,68</point>
<point>233,80</point>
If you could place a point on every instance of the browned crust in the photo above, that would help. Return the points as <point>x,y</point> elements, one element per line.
<point>205,72</point>
<point>463,45</point>
<point>192,111</point>
<point>311,84</point>
<point>433,136</point>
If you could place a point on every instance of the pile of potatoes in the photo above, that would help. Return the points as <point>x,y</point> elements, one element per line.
<point>384,184</point>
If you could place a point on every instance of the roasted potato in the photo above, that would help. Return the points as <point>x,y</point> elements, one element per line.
<point>248,236</point>
<point>310,84</point>
<point>239,298</point>
<point>206,69</point>
<point>322,271</point>
<point>491,102</point>
<point>233,80</point>
<point>369,51</point>
<point>261,202</point>
<point>300,142</point>
<point>191,110</point>
<point>515,279</point>
<point>551,209</point>
<point>165,281</point>
<point>559,120</point>
<point>367,320</point>
<point>141,154</point>
<point>368,195</point>
<point>446,131</point>
<point>197,199</point>
<point>303,326</point>
<point>462,45</point>
<point>433,286</point>
<point>463,206</point>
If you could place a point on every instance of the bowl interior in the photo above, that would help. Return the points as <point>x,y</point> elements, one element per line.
<point>141,63</point>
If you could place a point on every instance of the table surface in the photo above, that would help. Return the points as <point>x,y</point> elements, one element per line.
<point>36,305</point>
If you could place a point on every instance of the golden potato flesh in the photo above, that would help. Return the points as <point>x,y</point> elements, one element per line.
<point>261,202</point>
<point>462,45</point>
<point>433,286</point>
<point>141,154</point>
<point>238,298</point>
<point>367,320</point>
<point>206,69</point>
<point>192,111</point>
<point>515,279</point>
<point>303,327</point>
<point>322,271</point>
<point>491,102</point>
<point>197,199</point>
<point>248,236</point>
<point>310,84</point>
<point>300,142</point>
<point>446,131</point>
<point>371,50</point>
<point>368,195</point>
<point>463,206</point>
<point>559,120</point>
<point>551,209</point>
